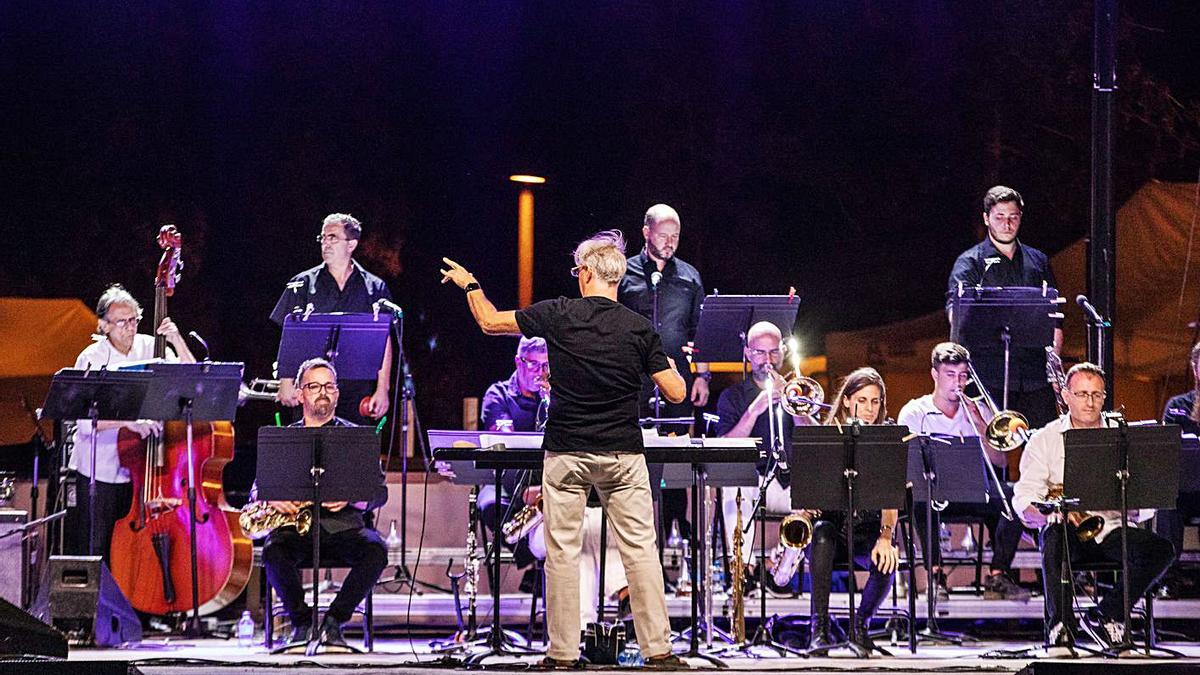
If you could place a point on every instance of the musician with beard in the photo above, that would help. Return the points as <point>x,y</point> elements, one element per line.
<point>346,536</point>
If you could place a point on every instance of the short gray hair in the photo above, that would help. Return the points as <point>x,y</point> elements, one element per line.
<point>314,363</point>
<point>351,226</point>
<point>531,344</point>
<point>764,328</point>
<point>604,254</point>
<point>116,294</point>
<point>660,212</point>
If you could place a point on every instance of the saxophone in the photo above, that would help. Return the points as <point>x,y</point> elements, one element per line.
<point>523,523</point>
<point>258,519</point>
<point>737,570</point>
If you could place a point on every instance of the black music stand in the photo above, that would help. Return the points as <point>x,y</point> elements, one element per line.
<point>725,319</point>
<point>946,470</point>
<point>95,395</point>
<point>353,343</point>
<point>1020,317</point>
<point>1118,469</point>
<point>848,468</point>
<point>292,466</point>
<point>189,392</point>
<point>698,478</point>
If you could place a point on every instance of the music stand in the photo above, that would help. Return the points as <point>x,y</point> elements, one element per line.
<point>848,468</point>
<point>725,319</point>
<point>189,392</point>
<point>698,478</point>
<point>1118,469</point>
<point>291,466</point>
<point>985,315</point>
<point>353,343</point>
<point>946,470</point>
<point>95,395</point>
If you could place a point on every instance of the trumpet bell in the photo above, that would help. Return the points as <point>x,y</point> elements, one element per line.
<point>1007,431</point>
<point>1087,527</point>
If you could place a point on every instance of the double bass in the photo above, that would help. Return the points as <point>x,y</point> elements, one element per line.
<point>151,553</point>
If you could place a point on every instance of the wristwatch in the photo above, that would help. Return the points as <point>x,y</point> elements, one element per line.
<point>705,375</point>
<point>473,286</point>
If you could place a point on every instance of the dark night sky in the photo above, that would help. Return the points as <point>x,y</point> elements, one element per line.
<point>841,147</point>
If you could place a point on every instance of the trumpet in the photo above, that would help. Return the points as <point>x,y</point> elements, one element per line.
<point>258,519</point>
<point>523,523</point>
<point>795,534</point>
<point>1008,429</point>
<point>1087,525</point>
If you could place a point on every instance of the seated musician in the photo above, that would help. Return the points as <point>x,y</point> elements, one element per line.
<point>1042,469</point>
<point>116,342</point>
<point>948,412</point>
<point>743,413</point>
<point>521,403</point>
<point>1182,410</point>
<point>345,535</point>
<point>863,396</point>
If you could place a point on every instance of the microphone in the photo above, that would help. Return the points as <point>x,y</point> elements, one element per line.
<point>196,336</point>
<point>655,277</point>
<point>391,306</point>
<point>1082,301</point>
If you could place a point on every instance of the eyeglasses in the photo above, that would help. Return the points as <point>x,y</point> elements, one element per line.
<point>534,365</point>
<point>760,353</point>
<point>131,322</point>
<point>576,270</point>
<point>1096,396</point>
<point>316,387</point>
<point>329,239</point>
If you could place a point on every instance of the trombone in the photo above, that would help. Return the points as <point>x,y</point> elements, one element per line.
<point>1007,430</point>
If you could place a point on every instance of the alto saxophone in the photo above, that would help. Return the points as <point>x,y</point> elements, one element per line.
<point>523,523</point>
<point>258,519</point>
<point>738,571</point>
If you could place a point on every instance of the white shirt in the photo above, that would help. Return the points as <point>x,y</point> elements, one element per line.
<point>921,416</point>
<point>95,356</point>
<point>1042,466</point>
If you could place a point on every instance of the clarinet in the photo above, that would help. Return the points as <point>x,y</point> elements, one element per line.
<point>472,566</point>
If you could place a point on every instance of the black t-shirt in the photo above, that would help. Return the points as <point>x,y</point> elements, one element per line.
<point>318,287</point>
<point>598,351</point>
<point>732,404</point>
<point>984,265</point>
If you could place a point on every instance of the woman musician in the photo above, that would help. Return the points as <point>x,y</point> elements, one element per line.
<point>863,396</point>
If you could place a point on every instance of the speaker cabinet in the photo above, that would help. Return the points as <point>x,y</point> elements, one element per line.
<point>87,604</point>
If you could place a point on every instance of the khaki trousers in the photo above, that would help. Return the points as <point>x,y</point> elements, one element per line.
<point>624,486</point>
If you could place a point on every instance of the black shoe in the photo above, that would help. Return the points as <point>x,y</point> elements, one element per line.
<point>331,633</point>
<point>1002,587</point>
<point>820,638</point>
<point>530,580</point>
<point>624,606</point>
<point>300,633</point>
<point>1059,644</point>
<point>548,663</point>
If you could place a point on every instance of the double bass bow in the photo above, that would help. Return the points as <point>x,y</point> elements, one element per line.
<point>151,555</point>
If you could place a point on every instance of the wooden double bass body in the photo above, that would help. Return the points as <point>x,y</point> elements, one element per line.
<point>151,549</point>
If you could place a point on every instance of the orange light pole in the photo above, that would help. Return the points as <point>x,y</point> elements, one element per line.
<point>525,237</point>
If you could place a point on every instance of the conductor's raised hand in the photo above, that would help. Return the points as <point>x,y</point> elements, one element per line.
<point>456,273</point>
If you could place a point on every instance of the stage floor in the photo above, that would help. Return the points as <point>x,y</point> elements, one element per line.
<point>398,655</point>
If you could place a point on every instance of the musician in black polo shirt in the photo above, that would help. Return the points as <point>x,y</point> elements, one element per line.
<point>1182,410</point>
<point>1002,260</point>
<point>339,284</point>
<point>598,352</point>
<point>668,291</point>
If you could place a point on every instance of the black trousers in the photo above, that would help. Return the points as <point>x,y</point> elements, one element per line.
<point>1149,557</point>
<point>491,515</point>
<point>828,547</point>
<point>1169,523</point>
<point>1005,534</point>
<point>112,503</point>
<point>285,552</point>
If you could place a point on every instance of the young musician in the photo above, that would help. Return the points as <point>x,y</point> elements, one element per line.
<point>1042,469</point>
<point>862,396</point>
<point>117,341</point>
<point>599,350</point>
<point>949,413</point>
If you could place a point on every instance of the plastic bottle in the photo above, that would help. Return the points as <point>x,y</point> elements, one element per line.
<point>944,535</point>
<point>393,538</point>
<point>245,630</point>
<point>630,657</point>
<point>968,541</point>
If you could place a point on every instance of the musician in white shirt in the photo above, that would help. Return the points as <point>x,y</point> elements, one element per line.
<point>1041,468</point>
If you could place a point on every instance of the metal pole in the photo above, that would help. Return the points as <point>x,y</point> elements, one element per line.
<point>1102,254</point>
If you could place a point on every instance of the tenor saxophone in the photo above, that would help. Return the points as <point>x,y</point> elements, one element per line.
<point>258,519</point>
<point>738,571</point>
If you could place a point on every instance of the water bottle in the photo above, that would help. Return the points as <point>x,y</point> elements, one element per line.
<point>630,657</point>
<point>968,541</point>
<point>944,536</point>
<point>245,630</point>
<point>683,586</point>
<point>393,538</point>
<point>718,574</point>
<point>674,539</point>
